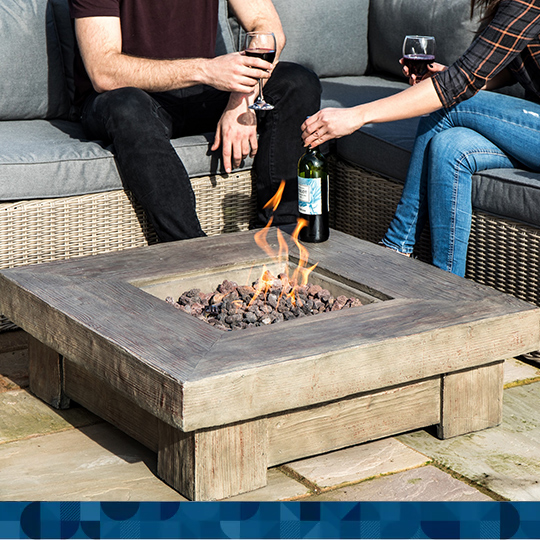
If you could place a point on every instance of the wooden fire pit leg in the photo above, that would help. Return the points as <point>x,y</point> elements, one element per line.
<point>46,374</point>
<point>214,464</point>
<point>471,400</point>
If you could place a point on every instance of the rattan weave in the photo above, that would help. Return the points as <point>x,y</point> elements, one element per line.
<point>502,254</point>
<point>43,230</point>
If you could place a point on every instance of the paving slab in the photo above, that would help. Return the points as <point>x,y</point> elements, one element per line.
<point>358,463</point>
<point>126,471</point>
<point>13,370</point>
<point>22,415</point>
<point>280,488</point>
<point>504,459</point>
<point>421,484</point>
<point>95,463</point>
<point>517,372</point>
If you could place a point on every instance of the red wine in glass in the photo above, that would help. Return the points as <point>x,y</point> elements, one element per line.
<point>418,52</point>
<point>267,55</point>
<point>261,45</point>
<point>417,63</point>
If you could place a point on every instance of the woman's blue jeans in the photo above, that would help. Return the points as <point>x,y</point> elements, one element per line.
<point>488,131</point>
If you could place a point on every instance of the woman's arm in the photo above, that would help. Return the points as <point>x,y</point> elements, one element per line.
<point>483,66</point>
<point>515,24</point>
<point>333,123</point>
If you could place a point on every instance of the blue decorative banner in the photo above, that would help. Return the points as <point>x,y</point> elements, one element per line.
<point>251,520</point>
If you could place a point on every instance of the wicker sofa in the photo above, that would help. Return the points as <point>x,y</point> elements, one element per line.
<point>61,195</point>
<point>354,46</point>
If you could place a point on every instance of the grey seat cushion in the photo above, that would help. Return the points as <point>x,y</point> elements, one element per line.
<point>510,193</point>
<point>47,159</point>
<point>371,146</point>
<point>42,154</point>
<point>386,149</point>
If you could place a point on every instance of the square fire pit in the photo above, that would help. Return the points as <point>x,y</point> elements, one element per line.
<point>220,407</point>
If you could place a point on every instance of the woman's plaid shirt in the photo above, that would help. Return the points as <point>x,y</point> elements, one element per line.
<point>510,40</point>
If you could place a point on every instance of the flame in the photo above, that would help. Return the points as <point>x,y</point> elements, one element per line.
<point>260,239</point>
<point>283,253</point>
<point>301,269</point>
<point>301,273</point>
<point>276,199</point>
<point>237,304</point>
<point>263,285</point>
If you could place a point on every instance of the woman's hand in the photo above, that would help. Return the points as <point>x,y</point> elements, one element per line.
<point>330,124</point>
<point>432,68</point>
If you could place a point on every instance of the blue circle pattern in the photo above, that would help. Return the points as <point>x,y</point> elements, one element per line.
<point>269,520</point>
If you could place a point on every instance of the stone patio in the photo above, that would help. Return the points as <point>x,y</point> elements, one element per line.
<point>48,455</point>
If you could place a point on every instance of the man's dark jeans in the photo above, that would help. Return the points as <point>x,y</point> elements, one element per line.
<point>140,126</point>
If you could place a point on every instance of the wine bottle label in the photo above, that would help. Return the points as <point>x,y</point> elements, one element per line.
<point>309,196</point>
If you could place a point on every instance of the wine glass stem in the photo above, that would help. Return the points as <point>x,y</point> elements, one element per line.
<point>260,97</point>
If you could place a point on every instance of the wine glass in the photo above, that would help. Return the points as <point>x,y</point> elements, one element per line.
<point>418,52</point>
<point>261,45</point>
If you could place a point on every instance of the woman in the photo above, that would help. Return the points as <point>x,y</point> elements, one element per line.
<point>466,131</point>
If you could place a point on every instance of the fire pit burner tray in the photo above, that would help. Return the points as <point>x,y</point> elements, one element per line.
<point>219,408</point>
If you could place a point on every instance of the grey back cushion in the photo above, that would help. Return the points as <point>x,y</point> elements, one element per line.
<point>32,83</point>
<point>328,37</point>
<point>66,38</point>
<point>391,20</point>
<point>225,39</point>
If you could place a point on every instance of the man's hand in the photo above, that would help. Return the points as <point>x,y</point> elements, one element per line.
<point>100,42</point>
<point>236,133</point>
<point>236,72</point>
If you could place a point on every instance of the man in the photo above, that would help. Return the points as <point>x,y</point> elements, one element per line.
<point>146,72</point>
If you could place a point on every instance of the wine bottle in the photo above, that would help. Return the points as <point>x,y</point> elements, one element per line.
<point>313,196</point>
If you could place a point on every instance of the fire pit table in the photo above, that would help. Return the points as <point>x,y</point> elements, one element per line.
<point>219,408</point>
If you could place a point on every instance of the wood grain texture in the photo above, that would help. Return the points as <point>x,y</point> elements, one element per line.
<point>369,265</point>
<point>214,464</point>
<point>327,427</point>
<point>337,357</point>
<point>13,341</point>
<point>107,334</point>
<point>219,406</point>
<point>46,374</point>
<point>471,400</point>
<point>102,399</point>
<point>192,376</point>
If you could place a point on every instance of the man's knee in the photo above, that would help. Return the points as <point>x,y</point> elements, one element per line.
<point>299,79</point>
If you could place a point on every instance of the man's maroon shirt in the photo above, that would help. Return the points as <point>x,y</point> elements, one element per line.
<point>161,29</point>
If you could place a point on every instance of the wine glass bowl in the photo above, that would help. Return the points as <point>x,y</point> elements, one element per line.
<point>418,52</point>
<point>261,45</point>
